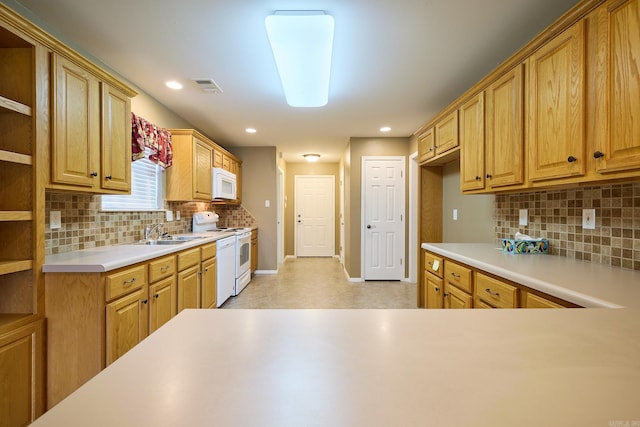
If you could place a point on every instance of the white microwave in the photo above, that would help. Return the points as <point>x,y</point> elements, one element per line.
<point>224,184</point>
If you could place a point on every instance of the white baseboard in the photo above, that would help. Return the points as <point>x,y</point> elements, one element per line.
<point>264,272</point>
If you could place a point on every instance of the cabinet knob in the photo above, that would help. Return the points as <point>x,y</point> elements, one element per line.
<point>144,301</point>
<point>489,176</point>
<point>108,177</point>
<point>156,296</point>
<point>94,173</point>
<point>478,178</point>
<point>445,295</point>
<point>598,154</point>
<point>437,289</point>
<point>571,159</point>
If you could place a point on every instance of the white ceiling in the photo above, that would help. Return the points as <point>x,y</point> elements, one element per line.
<point>395,63</point>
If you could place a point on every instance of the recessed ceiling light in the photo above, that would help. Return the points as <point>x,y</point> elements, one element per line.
<point>172,84</point>
<point>385,129</point>
<point>250,130</point>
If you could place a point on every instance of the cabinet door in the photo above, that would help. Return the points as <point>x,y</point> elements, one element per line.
<point>226,163</point>
<point>535,301</point>
<point>189,288</point>
<point>116,139</point>
<point>505,130</point>
<point>22,375</point>
<point>455,298</point>
<point>620,149</point>
<point>209,283</point>
<point>472,144</point>
<point>126,323</point>
<point>163,302</point>
<point>426,146</point>
<point>433,292</point>
<point>217,158</point>
<point>202,155</point>
<point>556,107</point>
<point>76,123</point>
<point>447,133</point>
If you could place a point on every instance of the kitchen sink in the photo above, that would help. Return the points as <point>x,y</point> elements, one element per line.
<point>171,241</point>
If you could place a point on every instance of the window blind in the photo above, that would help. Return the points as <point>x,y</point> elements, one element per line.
<point>146,190</point>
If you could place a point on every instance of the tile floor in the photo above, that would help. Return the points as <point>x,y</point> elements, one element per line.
<point>320,283</point>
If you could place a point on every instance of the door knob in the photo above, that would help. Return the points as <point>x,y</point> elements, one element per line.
<point>369,226</point>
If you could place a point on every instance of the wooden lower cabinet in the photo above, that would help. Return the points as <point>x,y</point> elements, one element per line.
<point>127,323</point>
<point>455,298</point>
<point>22,375</point>
<point>162,302</point>
<point>494,292</point>
<point>189,288</point>
<point>433,291</point>
<point>209,283</point>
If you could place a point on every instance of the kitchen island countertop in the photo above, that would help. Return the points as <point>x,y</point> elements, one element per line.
<point>588,284</point>
<point>371,368</point>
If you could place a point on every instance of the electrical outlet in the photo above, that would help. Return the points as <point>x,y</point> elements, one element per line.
<point>54,220</point>
<point>589,219</point>
<point>177,215</point>
<point>524,217</point>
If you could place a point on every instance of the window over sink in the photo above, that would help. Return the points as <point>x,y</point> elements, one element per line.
<point>147,188</point>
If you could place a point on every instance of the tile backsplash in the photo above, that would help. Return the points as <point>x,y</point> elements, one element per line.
<point>557,216</point>
<point>84,225</point>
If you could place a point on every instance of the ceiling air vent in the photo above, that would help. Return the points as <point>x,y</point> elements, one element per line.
<point>208,85</point>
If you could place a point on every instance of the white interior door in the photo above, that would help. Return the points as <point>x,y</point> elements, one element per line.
<point>315,215</point>
<point>342,238</point>
<point>280,215</point>
<point>383,217</point>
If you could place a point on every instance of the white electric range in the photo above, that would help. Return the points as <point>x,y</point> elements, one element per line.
<point>208,222</point>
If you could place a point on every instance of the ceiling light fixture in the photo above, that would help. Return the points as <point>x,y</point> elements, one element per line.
<point>385,129</point>
<point>172,84</point>
<point>250,130</point>
<point>311,157</point>
<point>302,42</point>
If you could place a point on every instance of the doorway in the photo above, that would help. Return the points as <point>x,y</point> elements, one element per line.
<point>280,216</point>
<point>314,220</point>
<point>383,214</point>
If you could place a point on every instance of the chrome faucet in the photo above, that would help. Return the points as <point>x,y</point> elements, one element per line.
<point>149,230</point>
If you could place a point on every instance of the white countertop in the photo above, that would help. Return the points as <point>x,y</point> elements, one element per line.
<point>371,368</point>
<point>106,258</point>
<point>587,284</point>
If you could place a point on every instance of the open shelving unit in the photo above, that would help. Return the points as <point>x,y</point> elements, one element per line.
<point>19,204</point>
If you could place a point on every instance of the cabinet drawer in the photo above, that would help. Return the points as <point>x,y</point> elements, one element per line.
<point>208,251</point>
<point>433,264</point>
<point>496,293</point>
<point>188,258</point>
<point>480,304</point>
<point>125,281</point>
<point>534,301</point>
<point>458,275</point>
<point>161,268</point>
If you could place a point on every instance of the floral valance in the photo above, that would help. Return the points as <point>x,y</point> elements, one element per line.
<point>147,135</point>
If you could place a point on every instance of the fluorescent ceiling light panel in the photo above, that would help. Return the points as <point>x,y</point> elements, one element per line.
<point>302,42</point>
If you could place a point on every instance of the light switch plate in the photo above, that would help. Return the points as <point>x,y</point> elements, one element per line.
<point>168,215</point>
<point>589,219</point>
<point>267,203</point>
<point>455,214</point>
<point>524,217</point>
<point>54,220</point>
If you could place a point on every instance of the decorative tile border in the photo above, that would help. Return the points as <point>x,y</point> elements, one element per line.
<point>85,226</point>
<point>557,216</point>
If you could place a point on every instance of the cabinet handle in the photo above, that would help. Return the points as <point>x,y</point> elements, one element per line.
<point>108,177</point>
<point>129,282</point>
<point>598,154</point>
<point>571,159</point>
<point>144,301</point>
<point>493,294</point>
<point>94,174</point>
<point>164,268</point>
<point>456,276</point>
<point>489,176</point>
<point>430,263</point>
<point>156,296</point>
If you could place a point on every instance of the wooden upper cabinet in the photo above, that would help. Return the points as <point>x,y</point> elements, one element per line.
<point>472,144</point>
<point>619,149</point>
<point>76,124</point>
<point>556,107</point>
<point>426,145</point>
<point>217,158</point>
<point>116,139</point>
<point>505,130</point>
<point>446,136</point>
<point>202,161</point>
